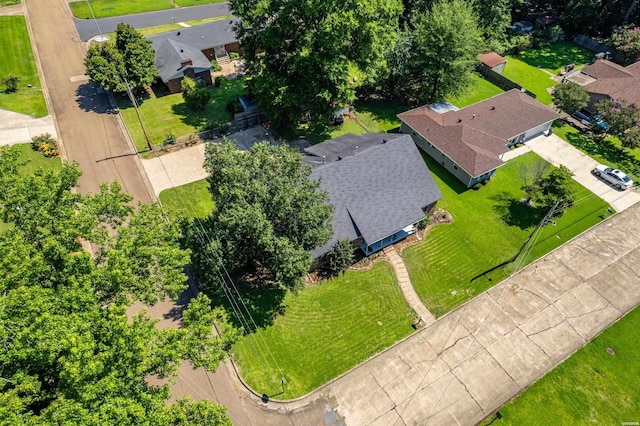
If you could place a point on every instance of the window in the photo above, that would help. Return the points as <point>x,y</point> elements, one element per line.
<point>455,167</point>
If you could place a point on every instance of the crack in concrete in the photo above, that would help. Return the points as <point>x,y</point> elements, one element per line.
<point>455,342</point>
<point>593,311</point>
<point>467,391</point>
<point>503,369</point>
<point>537,345</point>
<point>546,329</point>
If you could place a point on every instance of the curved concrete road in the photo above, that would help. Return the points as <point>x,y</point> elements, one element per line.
<point>87,27</point>
<point>88,130</point>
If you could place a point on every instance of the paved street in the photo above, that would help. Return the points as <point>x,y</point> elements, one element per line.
<point>87,27</point>
<point>89,132</point>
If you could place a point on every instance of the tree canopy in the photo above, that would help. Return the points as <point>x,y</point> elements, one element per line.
<point>130,57</point>
<point>70,352</point>
<point>302,55</point>
<point>570,97</point>
<point>268,214</point>
<point>441,57</point>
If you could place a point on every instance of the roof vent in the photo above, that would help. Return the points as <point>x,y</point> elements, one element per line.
<point>459,120</point>
<point>384,141</point>
<point>473,116</point>
<point>201,36</point>
<point>178,32</point>
<point>339,157</point>
<point>324,159</point>
<point>492,107</point>
<point>181,51</point>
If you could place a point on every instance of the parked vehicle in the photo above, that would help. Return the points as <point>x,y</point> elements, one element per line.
<point>589,119</point>
<point>613,176</point>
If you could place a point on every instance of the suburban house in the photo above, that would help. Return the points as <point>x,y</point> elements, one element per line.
<point>378,184</point>
<point>189,51</point>
<point>470,142</point>
<point>604,79</point>
<point>492,61</point>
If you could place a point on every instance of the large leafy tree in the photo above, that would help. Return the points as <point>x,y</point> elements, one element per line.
<point>619,114</point>
<point>302,55</point>
<point>570,97</point>
<point>581,16</point>
<point>626,41</point>
<point>70,353</point>
<point>130,60</point>
<point>446,42</point>
<point>494,17</point>
<point>268,214</point>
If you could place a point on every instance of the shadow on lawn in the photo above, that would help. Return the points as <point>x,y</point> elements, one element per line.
<point>195,119</point>
<point>516,213</point>
<point>261,297</point>
<point>450,180</point>
<point>607,150</point>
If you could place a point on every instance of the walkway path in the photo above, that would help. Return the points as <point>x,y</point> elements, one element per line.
<point>14,10</point>
<point>407,288</point>
<point>468,363</point>
<point>557,151</point>
<point>87,27</point>
<point>19,128</point>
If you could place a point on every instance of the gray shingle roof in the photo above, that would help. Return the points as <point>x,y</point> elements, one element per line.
<point>170,55</point>
<point>205,36</point>
<point>380,187</point>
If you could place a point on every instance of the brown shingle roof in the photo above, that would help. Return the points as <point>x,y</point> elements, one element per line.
<point>615,81</point>
<point>475,137</point>
<point>602,69</point>
<point>491,59</point>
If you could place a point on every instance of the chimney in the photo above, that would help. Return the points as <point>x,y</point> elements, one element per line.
<point>185,63</point>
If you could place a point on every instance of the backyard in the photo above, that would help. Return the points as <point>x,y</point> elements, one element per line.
<point>18,61</point>
<point>531,78</point>
<point>164,113</point>
<point>107,8</point>
<point>555,56</point>
<point>480,90</point>
<point>591,387</point>
<point>489,226</point>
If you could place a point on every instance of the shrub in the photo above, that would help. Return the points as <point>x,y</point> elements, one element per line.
<point>234,106</point>
<point>169,138</point>
<point>234,55</point>
<point>217,82</point>
<point>216,66</point>
<point>11,82</point>
<point>195,95</point>
<point>424,222</point>
<point>45,145</point>
<point>340,257</point>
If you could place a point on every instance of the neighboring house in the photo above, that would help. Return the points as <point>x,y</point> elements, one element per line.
<point>471,141</point>
<point>604,79</point>
<point>492,61</point>
<point>184,51</point>
<point>191,63</point>
<point>378,184</point>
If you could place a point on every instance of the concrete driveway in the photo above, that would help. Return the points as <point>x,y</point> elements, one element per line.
<point>557,151</point>
<point>19,128</point>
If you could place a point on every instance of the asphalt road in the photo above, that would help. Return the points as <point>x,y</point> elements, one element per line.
<point>87,28</point>
<point>89,132</point>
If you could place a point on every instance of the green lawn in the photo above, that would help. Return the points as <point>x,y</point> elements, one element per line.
<point>489,226</point>
<point>191,200</point>
<point>591,387</point>
<point>529,77</point>
<point>149,31</point>
<point>555,56</point>
<point>324,331</point>
<point>380,115</point>
<point>480,90</point>
<point>4,3</point>
<point>321,133</point>
<point>18,60</point>
<point>107,8</point>
<point>164,113</point>
<point>609,151</point>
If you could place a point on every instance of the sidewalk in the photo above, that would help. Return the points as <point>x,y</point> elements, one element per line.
<point>20,128</point>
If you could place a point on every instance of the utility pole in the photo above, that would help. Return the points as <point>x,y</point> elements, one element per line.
<point>135,106</point>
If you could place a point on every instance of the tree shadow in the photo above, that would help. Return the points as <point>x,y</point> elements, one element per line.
<point>515,212</point>
<point>253,298</point>
<point>556,55</point>
<point>607,150</point>
<point>188,116</point>
<point>92,98</point>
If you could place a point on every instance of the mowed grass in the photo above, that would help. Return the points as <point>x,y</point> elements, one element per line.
<point>529,77</point>
<point>380,115</point>
<point>489,226</point>
<point>107,8</point>
<point>158,29</point>
<point>480,90</point>
<point>164,113</point>
<point>555,56</point>
<point>324,331</point>
<point>4,3</point>
<point>192,200</point>
<point>591,387</point>
<point>17,59</point>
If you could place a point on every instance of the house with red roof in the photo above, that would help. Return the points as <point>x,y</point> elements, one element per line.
<point>470,142</point>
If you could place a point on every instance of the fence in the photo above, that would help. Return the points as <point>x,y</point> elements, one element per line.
<point>501,81</point>
<point>591,44</point>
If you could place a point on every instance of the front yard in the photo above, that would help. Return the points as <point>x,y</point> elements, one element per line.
<point>489,226</point>
<point>107,8</point>
<point>591,387</point>
<point>164,113</point>
<point>18,60</point>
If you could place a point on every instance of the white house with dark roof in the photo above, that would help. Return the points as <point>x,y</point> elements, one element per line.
<point>470,142</point>
<point>379,185</point>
